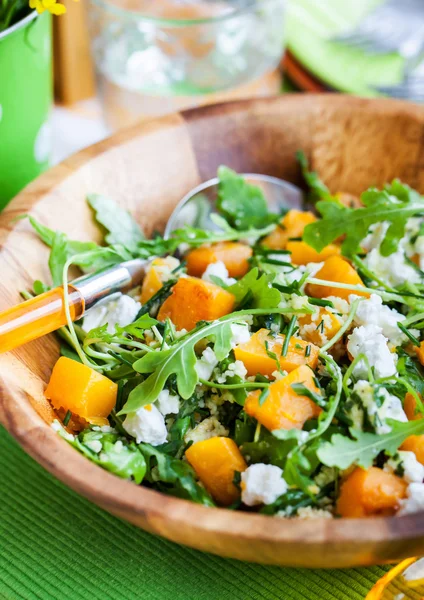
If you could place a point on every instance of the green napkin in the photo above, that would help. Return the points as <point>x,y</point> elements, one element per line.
<point>310,26</point>
<point>56,545</point>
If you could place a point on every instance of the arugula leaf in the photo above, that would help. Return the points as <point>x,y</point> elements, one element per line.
<point>39,287</point>
<point>115,456</point>
<point>342,451</point>
<point>317,189</point>
<point>222,341</point>
<point>411,370</point>
<point>124,461</point>
<point>88,255</point>
<point>179,360</point>
<point>243,204</point>
<point>138,327</point>
<point>258,287</point>
<point>395,204</point>
<point>268,450</point>
<point>65,350</point>
<point>156,246</point>
<point>122,228</point>
<point>58,256</point>
<point>297,470</point>
<point>196,237</point>
<point>45,234</point>
<point>176,473</point>
<point>290,503</point>
<point>302,390</point>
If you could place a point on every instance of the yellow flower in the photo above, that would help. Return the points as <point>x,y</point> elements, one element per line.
<point>54,7</point>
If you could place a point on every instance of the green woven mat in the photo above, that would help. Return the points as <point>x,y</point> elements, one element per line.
<point>56,545</point>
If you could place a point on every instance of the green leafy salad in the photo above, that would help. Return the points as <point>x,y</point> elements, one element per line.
<point>274,364</point>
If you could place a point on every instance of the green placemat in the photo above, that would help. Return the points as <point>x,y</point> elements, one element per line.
<point>310,26</point>
<point>56,545</point>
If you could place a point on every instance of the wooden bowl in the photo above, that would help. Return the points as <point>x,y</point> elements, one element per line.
<point>353,143</point>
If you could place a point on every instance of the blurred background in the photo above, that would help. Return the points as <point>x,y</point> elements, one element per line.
<point>119,61</point>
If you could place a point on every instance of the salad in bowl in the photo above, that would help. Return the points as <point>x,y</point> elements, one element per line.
<point>272,364</point>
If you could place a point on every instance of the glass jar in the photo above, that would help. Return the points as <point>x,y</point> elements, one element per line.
<point>154,57</point>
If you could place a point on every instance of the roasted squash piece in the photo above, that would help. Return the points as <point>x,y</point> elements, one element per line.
<point>193,300</point>
<point>370,492</point>
<point>324,326</point>
<point>284,408</point>
<point>336,269</point>
<point>415,444</point>
<point>302,253</point>
<point>233,254</point>
<point>420,352</point>
<point>256,359</point>
<point>81,390</point>
<point>409,406</point>
<point>291,226</point>
<point>156,275</point>
<point>215,460</point>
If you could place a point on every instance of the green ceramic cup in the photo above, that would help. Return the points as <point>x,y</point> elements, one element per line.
<point>25,102</point>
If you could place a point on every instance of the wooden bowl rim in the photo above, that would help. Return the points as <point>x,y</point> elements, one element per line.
<point>122,496</point>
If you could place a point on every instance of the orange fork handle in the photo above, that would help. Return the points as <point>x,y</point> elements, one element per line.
<point>37,317</point>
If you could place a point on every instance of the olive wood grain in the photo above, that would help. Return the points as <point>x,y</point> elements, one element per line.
<point>353,143</point>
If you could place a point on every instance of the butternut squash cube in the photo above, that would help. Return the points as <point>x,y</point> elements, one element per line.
<point>233,254</point>
<point>302,253</point>
<point>409,406</point>
<point>338,270</point>
<point>284,408</point>
<point>370,492</point>
<point>415,444</point>
<point>158,272</point>
<point>82,390</point>
<point>291,226</point>
<point>420,352</point>
<point>255,358</point>
<point>215,460</point>
<point>319,327</point>
<point>193,300</point>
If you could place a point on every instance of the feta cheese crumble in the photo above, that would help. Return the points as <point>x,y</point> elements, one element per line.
<point>206,364</point>
<point>370,341</point>
<point>205,430</point>
<point>392,269</point>
<point>372,311</point>
<point>413,471</point>
<point>376,235</point>
<point>121,311</point>
<point>380,405</point>
<point>262,484</point>
<point>414,501</point>
<point>235,368</point>
<point>167,403</point>
<point>147,425</point>
<point>218,269</point>
<point>240,334</point>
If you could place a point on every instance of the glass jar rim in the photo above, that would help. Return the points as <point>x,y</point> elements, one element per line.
<point>175,22</point>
